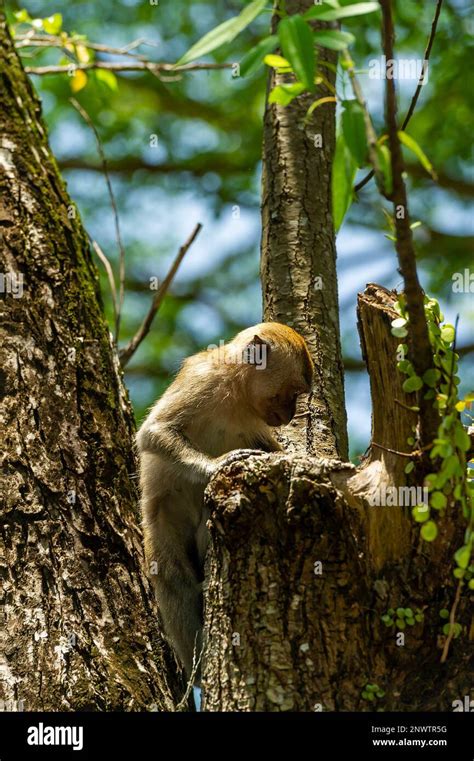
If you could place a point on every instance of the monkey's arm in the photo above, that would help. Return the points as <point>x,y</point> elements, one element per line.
<point>171,443</point>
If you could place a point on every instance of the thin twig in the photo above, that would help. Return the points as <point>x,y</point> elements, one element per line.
<point>420,351</point>
<point>126,353</point>
<point>110,274</point>
<point>394,451</point>
<point>369,127</point>
<point>405,406</point>
<point>52,41</point>
<point>151,66</point>
<point>118,236</point>
<point>417,92</point>
<point>452,621</point>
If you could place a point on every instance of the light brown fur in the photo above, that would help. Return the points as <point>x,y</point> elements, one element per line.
<point>217,404</point>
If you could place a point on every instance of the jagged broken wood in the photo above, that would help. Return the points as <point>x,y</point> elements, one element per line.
<point>302,567</point>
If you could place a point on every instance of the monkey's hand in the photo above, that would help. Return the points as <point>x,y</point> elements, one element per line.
<point>235,456</point>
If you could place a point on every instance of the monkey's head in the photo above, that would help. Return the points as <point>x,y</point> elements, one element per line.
<point>278,369</point>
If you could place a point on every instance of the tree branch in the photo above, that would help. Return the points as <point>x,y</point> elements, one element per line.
<point>417,92</point>
<point>110,275</point>
<point>118,66</point>
<point>420,350</point>
<point>51,41</point>
<point>369,128</point>
<point>126,353</point>
<point>119,301</point>
<point>353,364</point>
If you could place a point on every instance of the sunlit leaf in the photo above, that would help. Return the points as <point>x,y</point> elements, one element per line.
<point>276,62</point>
<point>108,78</point>
<point>325,13</point>
<point>413,146</point>
<point>429,531</point>
<point>297,44</point>
<point>343,173</point>
<point>333,39</point>
<point>284,94</point>
<point>385,163</point>
<point>78,80</point>
<point>53,24</point>
<point>223,33</point>
<point>353,126</point>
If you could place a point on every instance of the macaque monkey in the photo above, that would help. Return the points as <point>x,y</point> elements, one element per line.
<point>224,400</point>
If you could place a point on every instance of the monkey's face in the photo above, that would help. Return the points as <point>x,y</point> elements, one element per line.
<point>274,391</point>
<point>279,408</point>
<point>279,370</point>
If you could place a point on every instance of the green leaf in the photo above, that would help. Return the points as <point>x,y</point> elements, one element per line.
<point>429,531</point>
<point>451,466</point>
<point>400,623</point>
<point>399,322</point>
<point>421,513</point>
<point>438,500</point>
<point>405,366</point>
<point>385,162</point>
<point>431,377</point>
<point>461,437</point>
<point>324,13</point>
<point>353,126</point>
<point>444,613</point>
<point>297,44</point>
<point>253,60</point>
<point>447,333</point>
<point>343,173</point>
<point>410,621</point>
<point>333,39</point>
<point>413,146</point>
<point>284,94</point>
<point>277,62</point>
<point>223,33</point>
<point>409,467</point>
<point>22,17</point>
<point>53,24</point>
<point>462,556</point>
<point>413,383</point>
<point>108,78</point>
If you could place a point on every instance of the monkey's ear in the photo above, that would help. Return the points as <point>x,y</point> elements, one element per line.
<point>255,349</point>
<point>257,341</point>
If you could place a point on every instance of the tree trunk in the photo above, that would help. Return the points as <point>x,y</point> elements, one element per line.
<point>79,628</point>
<point>301,568</point>
<point>298,253</point>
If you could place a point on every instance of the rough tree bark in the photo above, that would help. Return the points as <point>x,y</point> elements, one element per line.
<point>298,253</point>
<point>78,624</point>
<point>288,634</point>
<point>301,566</point>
